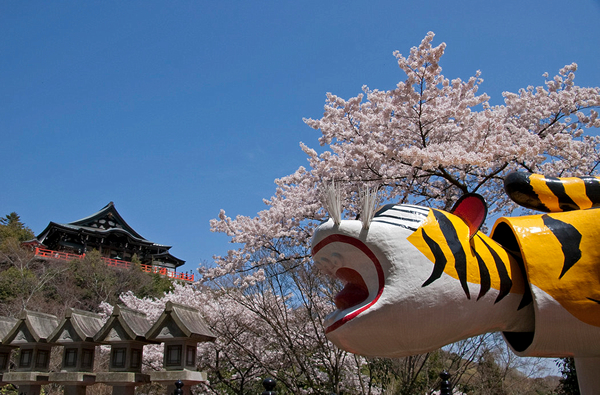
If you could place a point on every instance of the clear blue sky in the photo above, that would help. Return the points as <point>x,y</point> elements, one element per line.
<point>176,109</point>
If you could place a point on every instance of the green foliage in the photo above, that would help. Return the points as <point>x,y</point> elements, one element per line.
<point>405,376</point>
<point>94,281</point>
<point>158,287</point>
<point>8,389</point>
<point>97,282</point>
<point>491,375</point>
<point>141,283</point>
<point>11,227</point>
<point>13,282</point>
<point>135,260</point>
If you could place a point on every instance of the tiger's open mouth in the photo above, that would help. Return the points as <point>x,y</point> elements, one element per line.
<point>355,290</point>
<point>351,261</point>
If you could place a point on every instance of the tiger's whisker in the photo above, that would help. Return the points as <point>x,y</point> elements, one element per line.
<point>369,200</point>
<point>332,202</point>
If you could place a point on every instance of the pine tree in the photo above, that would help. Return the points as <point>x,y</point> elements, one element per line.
<point>11,227</point>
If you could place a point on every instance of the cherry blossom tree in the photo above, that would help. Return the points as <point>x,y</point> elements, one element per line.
<point>428,141</point>
<point>432,139</point>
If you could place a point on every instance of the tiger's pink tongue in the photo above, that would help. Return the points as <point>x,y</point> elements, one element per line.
<point>355,291</point>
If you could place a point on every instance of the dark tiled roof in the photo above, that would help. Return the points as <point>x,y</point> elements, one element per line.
<point>166,256</point>
<point>108,211</point>
<point>107,220</point>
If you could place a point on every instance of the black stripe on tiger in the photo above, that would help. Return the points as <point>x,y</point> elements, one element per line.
<point>553,194</point>
<point>484,275</point>
<point>558,189</point>
<point>519,189</point>
<point>505,281</point>
<point>592,186</point>
<point>458,251</point>
<point>440,259</point>
<point>568,237</point>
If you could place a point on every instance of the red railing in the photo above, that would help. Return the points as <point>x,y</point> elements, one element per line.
<point>65,256</point>
<point>163,271</point>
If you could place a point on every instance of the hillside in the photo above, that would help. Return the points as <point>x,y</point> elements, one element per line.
<point>51,285</point>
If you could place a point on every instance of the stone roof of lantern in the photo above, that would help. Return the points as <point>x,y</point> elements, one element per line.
<point>180,321</point>
<point>6,325</point>
<point>79,326</point>
<point>35,326</point>
<point>124,324</point>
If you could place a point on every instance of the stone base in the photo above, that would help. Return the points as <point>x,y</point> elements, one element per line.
<point>26,378</point>
<point>122,378</point>
<point>73,378</point>
<point>169,377</point>
<point>188,377</point>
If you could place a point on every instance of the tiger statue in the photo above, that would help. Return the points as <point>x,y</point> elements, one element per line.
<point>418,278</point>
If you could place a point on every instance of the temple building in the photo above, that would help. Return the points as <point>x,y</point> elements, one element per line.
<point>107,232</point>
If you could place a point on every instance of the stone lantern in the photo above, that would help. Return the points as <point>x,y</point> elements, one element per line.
<point>180,328</point>
<point>76,333</point>
<point>125,332</point>
<point>31,334</point>
<point>6,324</point>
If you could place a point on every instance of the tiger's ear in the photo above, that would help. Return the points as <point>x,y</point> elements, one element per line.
<point>472,209</point>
